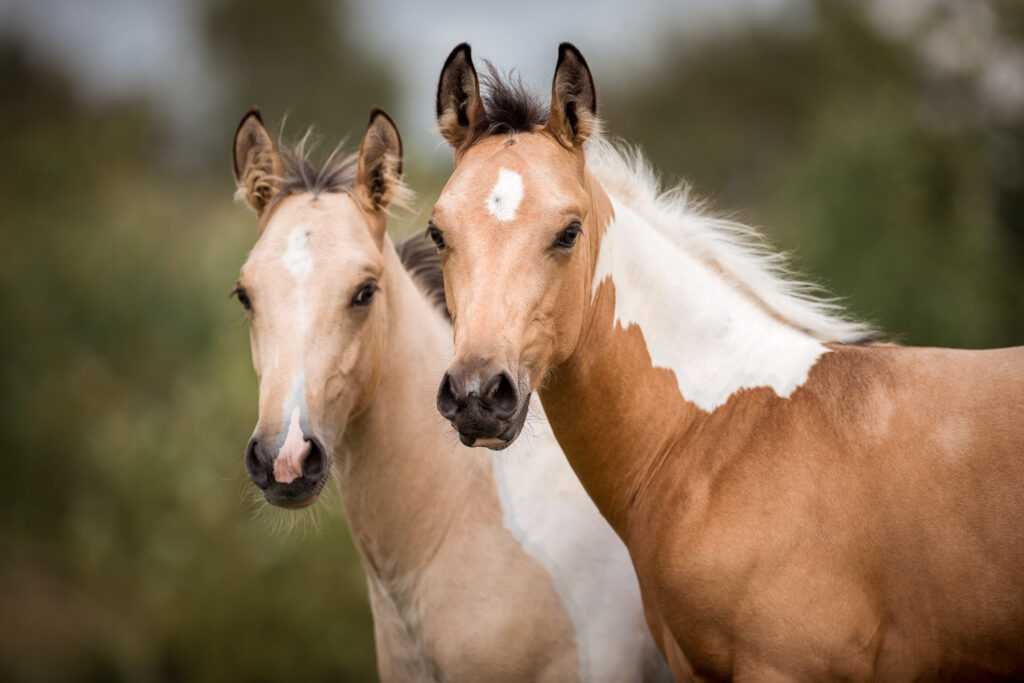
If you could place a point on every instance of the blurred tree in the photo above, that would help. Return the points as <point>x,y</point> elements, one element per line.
<point>296,58</point>
<point>889,179</point>
<point>128,544</point>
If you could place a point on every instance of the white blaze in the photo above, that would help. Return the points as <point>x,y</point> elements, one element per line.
<point>298,261</point>
<point>298,254</point>
<point>288,464</point>
<point>506,194</point>
<point>694,322</point>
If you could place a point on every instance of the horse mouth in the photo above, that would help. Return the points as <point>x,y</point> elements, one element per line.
<point>292,503</point>
<point>295,495</point>
<point>505,438</point>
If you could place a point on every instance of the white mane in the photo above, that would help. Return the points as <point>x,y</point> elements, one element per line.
<point>737,250</point>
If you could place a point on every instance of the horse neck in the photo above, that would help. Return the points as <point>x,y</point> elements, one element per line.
<point>400,479</point>
<point>667,339</point>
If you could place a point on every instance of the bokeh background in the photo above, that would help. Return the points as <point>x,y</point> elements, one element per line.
<point>882,142</point>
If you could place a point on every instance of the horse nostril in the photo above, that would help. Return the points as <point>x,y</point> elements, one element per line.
<point>256,464</point>
<point>502,396</point>
<point>314,465</point>
<point>447,398</point>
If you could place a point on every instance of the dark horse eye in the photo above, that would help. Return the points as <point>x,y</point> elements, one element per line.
<point>568,237</point>
<point>435,234</point>
<point>364,296</point>
<point>243,297</point>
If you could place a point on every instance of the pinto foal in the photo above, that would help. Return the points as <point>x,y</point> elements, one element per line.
<point>477,571</point>
<point>799,505</point>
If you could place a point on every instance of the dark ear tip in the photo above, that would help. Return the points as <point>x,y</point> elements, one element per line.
<point>254,112</point>
<point>568,48</point>
<point>462,49</point>
<point>377,111</point>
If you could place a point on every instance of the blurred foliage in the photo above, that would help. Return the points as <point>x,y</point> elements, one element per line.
<point>294,59</point>
<point>891,184</point>
<point>131,546</point>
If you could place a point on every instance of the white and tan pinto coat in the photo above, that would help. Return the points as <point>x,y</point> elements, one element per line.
<point>796,509</point>
<point>479,569</point>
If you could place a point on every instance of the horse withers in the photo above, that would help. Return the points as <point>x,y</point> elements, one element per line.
<point>800,504</point>
<point>477,570</point>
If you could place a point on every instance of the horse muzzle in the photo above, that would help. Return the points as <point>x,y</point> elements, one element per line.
<point>484,404</point>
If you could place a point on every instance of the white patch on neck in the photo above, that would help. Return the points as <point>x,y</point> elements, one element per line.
<point>298,255</point>
<point>549,513</point>
<point>506,194</point>
<point>694,322</point>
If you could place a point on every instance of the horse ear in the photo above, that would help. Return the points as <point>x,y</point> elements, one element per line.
<point>458,96</point>
<point>573,116</point>
<point>379,174</point>
<point>257,165</point>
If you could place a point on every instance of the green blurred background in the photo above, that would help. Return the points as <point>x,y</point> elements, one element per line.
<point>881,142</point>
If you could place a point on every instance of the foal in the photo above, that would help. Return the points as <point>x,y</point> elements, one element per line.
<point>798,506</point>
<point>491,572</point>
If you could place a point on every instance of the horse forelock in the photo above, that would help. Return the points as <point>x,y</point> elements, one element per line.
<point>509,106</point>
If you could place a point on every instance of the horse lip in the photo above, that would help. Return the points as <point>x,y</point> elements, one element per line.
<point>511,433</point>
<point>292,504</point>
<point>489,443</point>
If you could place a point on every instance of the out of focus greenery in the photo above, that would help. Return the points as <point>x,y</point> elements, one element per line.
<point>895,185</point>
<point>130,544</point>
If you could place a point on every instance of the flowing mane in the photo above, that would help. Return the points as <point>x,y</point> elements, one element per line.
<point>737,250</point>
<point>419,258</point>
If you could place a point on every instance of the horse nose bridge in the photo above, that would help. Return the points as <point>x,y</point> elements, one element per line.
<point>471,375</point>
<point>487,328</point>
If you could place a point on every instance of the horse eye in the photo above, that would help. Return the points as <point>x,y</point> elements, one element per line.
<point>243,297</point>
<point>364,295</point>
<point>567,238</point>
<point>435,234</point>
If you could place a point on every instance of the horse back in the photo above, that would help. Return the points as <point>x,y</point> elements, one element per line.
<point>877,513</point>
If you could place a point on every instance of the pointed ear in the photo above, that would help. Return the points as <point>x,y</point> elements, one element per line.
<point>379,175</point>
<point>573,116</point>
<point>256,162</point>
<point>458,96</point>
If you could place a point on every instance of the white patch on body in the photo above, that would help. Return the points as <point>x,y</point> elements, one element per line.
<point>694,321</point>
<point>506,195</point>
<point>548,512</point>
<point>298,254</point>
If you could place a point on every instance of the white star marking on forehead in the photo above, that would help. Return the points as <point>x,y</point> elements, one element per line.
<point>506,194</point>
<point>298,255</point>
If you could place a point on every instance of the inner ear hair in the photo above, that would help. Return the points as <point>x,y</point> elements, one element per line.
<point>458,102</point>
<point>573,114</point>
<point>256,163</point>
